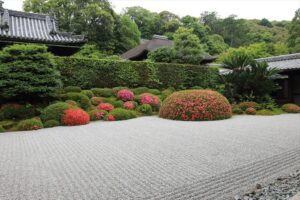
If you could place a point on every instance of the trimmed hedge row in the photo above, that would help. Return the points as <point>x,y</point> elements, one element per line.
<point>93,73</point>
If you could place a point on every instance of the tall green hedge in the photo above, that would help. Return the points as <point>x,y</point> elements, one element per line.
<point>92,73</point>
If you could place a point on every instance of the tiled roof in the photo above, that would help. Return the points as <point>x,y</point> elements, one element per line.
<point>29,27</point>
<point>156,42</point>
<point>284,62</point>
<point>147,45</point>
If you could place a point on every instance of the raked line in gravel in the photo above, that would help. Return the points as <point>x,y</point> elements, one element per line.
<point>149,158</point>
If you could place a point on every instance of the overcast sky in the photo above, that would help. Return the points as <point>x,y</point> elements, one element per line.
<point>249,9</point>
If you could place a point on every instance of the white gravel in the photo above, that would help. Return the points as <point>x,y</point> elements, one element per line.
<point>148,158</point>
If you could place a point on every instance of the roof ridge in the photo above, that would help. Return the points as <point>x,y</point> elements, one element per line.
<point>26,14</point>
<point>280,58</point>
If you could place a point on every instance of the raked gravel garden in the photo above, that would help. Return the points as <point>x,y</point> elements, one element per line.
<point>161,131</point>
<point>153,158</point>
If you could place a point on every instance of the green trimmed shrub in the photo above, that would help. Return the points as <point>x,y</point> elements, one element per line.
<point>97,100</point>
<point>237,110</point>
<point>93,73</point>
<point>122,114</point>
<point>115,102</point>
<point>154,91</point>
<point>140,90</point>
<point>250,111</point>
<point>291,108</point>
<point>72,89</point>
<point>54,111</point>
<point>88,93</point>
<point>97,114</point>
<point>248,104</point>
<point>17,111</point>
<point>145,109</point>
<point>102,92</point>
<point>51,123</point>
<point>27,73</point>
<point>30,124</point>
<point>196,105</point>
<point>82,100</point>
<point>7,124</point>
<point>72,103</point>
<point>2,129</point>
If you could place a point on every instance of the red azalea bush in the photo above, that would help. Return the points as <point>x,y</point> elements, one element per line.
<point>125,95</point>
<point>130,105</point>
<point>110,118</point>
<point>196,105</point>
<point>291,108</point>
<point>150,99</point>
<point>105,106</point>
<point>250,111</point>
<point>75,116</point>
<point>247,104</point>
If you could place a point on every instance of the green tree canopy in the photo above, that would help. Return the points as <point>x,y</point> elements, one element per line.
<point>294,33</point>
<point>148,22</point>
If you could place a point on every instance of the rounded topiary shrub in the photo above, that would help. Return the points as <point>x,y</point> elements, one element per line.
<point>145,109</point>
<point>54,111</point>
<point>72,89</point>
<point>291,108</point>
<point>115,102</point>
<point>115,90</point>
<point>250,111</point>
<point>125,95</point>
<point>130,105</point>
<point>152,100</point>
<point>27,73</point>
<point>110,118</point>
<point>75,116</point>
<point>97,114</point>
<point>72,103</point>
<point>102,92</point>
<point>51,123</point>
<point>196,105</point>
<point>82,100</point>
<point>237,110</point>
<point>122,114</point>
<point>248,104</point>
<point>88,93</point>
<point>97,100</point>
<point>30,124</point>
<point>105,106</point>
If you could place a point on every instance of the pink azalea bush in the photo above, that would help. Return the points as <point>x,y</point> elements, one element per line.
<point>125,95</point>
<point>150,99</point>
<point>130,105</point>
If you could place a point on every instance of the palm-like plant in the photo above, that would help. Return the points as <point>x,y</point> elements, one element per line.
<point>248,77</point>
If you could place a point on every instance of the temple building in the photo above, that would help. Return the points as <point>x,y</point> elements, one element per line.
<point>289,82</point>
<point>21,27</point>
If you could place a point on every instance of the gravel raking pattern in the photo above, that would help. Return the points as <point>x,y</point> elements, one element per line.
<point>148,158</point>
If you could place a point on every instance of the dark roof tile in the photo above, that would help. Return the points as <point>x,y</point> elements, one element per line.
<point>30,27</point>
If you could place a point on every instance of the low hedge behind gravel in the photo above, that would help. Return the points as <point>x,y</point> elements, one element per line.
<point>92,73</point>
